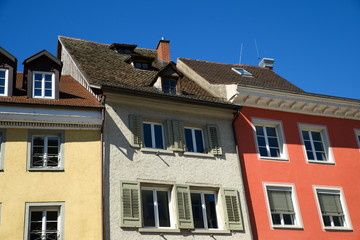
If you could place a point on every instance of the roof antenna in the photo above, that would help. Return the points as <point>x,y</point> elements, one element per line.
<point>240,53</point>
<point>257,50</point>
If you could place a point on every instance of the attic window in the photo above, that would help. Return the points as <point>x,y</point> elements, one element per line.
<point>169,85</point>
<point>124,51</point>
<point>142,65</point>
<point>43,85</point>
<point>3,82</point>
<point>242,72</point>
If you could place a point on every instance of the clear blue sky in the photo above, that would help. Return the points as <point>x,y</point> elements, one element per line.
<point>315,44</point>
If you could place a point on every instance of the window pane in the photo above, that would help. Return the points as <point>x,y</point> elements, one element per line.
<point>288,219</point>
<point>53,141</point>
<point>308,145</point>
<point>48,77</point>
<point>189,140</point>
<point>2,74</point>
<point>137,65</point>
<point>276,219</point>
<point>158,136</point>
<point>326,220</point>
<point>263,152</point>
<point>310,155</point>
<point>145,66</point>
<point>318,146</point>
<point>259,131</point>
<point>271,132</point>
<point>273,142</point>
<point>2,82</point>
<point>274,152</point>
<point>338,221</point>
<point>2,90</point>
<point>48,85</point>
<point>36,216</point>
<point>320,156</point>
<point>261,141</point>
<point>316,136</point>
<point>163,206</point>
<point>148,208</point>
<point>199,141</point>
<point>197,210</point>
<point>211,210</point>
<point>48,93</point>
<point>38,84</point>
<point>147,135</point>
<point>38,76</point>
<point>305,135</point>
<point>37,92</point>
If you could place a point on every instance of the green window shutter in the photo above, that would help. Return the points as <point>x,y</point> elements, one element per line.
<point>130,204</point>
<point>330,204</point>
<point>280,201</point>
<point>176,135</point>
<point>233,219</point>
<point>183,206</point>
<point>214,140</point>
<point>136,128</point>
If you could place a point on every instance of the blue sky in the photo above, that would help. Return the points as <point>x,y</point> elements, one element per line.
<point>315,44</point>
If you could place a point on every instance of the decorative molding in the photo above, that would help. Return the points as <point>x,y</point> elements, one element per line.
<point>49,125</point>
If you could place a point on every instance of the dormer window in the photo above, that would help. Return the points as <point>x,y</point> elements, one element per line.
<point>4,79</point>
<point>242,72</point>
<point>124,51</point>
<point>169,85</point>
<point>43,85</point>
<point>142,65</point>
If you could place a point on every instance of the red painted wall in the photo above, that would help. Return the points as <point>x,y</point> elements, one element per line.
<point>345,173</point>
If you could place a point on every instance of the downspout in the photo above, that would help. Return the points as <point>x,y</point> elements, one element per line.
<point>236,115</point>
<point>102,169</point>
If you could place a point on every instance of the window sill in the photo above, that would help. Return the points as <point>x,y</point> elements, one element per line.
<point>45,170</point>
<point>157,151</point>
<point>345,229</point>
<point>208,155</point>
<point>159,230</point>
<point>274,159</point>
<point>287,227</point>
<point>321,162</point>
<point>211,231</point>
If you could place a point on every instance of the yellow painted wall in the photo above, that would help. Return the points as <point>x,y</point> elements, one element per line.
<point>79,185</point>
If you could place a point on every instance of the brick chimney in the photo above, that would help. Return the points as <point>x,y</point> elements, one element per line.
<point>163,50</point>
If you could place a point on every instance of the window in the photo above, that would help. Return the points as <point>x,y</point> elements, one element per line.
<point>242,72</point>
<point>4,79</point>
<point>270,139</point>
<point>357,134</point>
<point>316,144</point>
<point>44,221</point>
<point>46,150</point>
<point>169,85</point>
<point>142,65</point>
<point>282,206</point>
<point>153,135</point>
<point>124,51</point>
<point>333,212</point>
<point>43,85</point>
<point>155,205</point>
<point>204,210</point>
<point>194,140</point>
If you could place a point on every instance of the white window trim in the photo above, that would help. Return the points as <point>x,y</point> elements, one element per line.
<point>298,219</point>
<point>2,148</point>
<point>5,94</point>
<point>357,134</point>
<point>194,139</point>
<point>43,85</point>
<point>326,142</point>
<point>156,211</point>
<point>280,134</point>
<point>45,205</point>
<point>245,74</point>
<point>218,218</point>
<point>339,190</point>
<point>153,135</point>
<point>61,135</point>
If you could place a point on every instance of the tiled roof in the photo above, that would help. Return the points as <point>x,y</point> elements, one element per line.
<point>71,94</point>
<point>102,65</point>
<point>219,73</point>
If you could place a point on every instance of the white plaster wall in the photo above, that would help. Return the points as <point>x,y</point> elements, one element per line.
<point>125,163</point>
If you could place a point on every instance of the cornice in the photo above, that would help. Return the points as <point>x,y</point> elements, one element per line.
<point>49,125</point>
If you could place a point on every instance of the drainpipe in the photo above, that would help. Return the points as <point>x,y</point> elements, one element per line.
<point>236,115</point>
<point>102,168</point>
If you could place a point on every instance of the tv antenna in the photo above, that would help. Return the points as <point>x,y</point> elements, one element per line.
<point>257,50</point>
<point>240,53</point>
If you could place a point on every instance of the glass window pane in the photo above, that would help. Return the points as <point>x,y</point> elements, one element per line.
<point>38,84</point>
<point>316,136</point>
<point>338,221</point>
<point>147,135</point>
<point>38,76</point>
<point>53,141</point>
<point>305,135</point>
<point>163,206</point>
<point>320,156</point>
<point>137,65</point>
<point>273,142</point>
<point>261,141</point>
<point>51,226</point>
<point>271,132</point>
<point>189,140</point>
<point>318,146</point>
<point>148,208</point>
<point>37,92</point>
<point>197,210</point>
<point>263,152</point>
<point>274,152</point>
<point>308,145</point>
<point>48,77</point>
<point>48,93</point>
<point>276,219</point>
<point>2,90</point>
<point>2,74</point>
<point>36,216</point>
<point>199,141</point>
<point>288,219</point>
<point>326,220</point>
<point>145,66</point>
<point>2,82</point>
<point>210,210</point>
<point>48,85</point>
<point>310,155</point>
<point>259,131</point>
<point>158,136</point>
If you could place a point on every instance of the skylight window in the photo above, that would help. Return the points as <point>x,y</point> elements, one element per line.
<point>242,72</point>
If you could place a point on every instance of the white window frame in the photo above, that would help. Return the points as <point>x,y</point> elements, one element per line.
<point>2,148</point>
<point>286,187</point>
<point>218,218</point>
<point>333,190</point>
<point>60,206</point>
<point>194,139</point>
<point>357,134</point>
<point>280,137</point>
<point>156,211</point>
<point>325,140</point>
<point>153,143</point>
<point>5,94</point>
<point>244,74</point>
<point>49,133</point>
<point>43,85</point>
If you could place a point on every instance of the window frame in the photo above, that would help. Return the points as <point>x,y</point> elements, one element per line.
<point>156,211</point>
<point>218,213</point>
<point>357,135</point>
<point>333,190</point>
<point>194,139</point>
<point>43,85</point>
<point>280,138</point>
<point>287,187</point>
<point>31,206</point>
<point>142,65</point>
<point>325,141</point>
<point>152,129</point>
<point>6,83</point>
<point>169,79</point>
<point>47,133</point>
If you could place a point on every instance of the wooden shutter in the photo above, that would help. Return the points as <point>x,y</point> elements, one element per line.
<point>330,204</point>
<point>233,219</point>
<point>214,140</point>
<point>130,204</point>
<point>280,201</point>
<point>176,135</point>
<point>183,205</point>
<point>136,128</point>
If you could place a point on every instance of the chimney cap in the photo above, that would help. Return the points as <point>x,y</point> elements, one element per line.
<point>267,62</point>
<point>162,40</point>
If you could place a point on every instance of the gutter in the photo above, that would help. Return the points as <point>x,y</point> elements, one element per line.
<point>236,115</point>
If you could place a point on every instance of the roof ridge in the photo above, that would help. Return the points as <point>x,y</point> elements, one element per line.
<point>246,65</point>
